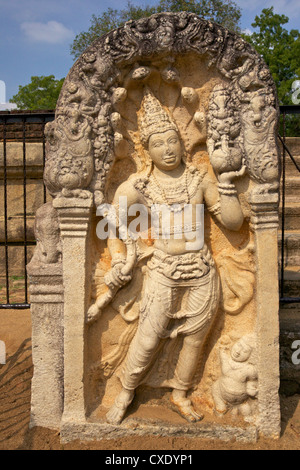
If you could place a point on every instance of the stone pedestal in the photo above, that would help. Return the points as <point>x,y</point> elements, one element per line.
<point>47,305</point>
<point>74,221</point>
<point>265,226</point>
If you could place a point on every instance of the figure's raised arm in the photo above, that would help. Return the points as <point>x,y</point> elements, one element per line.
<point>222,200</point>
<point>224,361</point>
<point>125,196</point>
<point>122,251</point>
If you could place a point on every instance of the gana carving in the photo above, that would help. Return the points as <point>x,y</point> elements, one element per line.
<point>237,387</point>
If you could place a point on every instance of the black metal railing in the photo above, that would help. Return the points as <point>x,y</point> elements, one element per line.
<point>284,111</point>
<point>23,127</point>
<point>23,131</point>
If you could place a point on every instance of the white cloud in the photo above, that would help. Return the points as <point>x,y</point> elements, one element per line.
<point>51,32</point>
<point>286,7</point>
<point>7,107</point>
<point>247,31</point>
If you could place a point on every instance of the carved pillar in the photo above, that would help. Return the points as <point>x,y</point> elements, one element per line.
<point>74,217</point>
<point>265,226</point>
<point>46,297</point>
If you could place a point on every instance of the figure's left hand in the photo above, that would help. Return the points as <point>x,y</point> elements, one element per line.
<point>116,278</point>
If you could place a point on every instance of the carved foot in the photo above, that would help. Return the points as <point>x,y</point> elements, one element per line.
<point>117,412</point>
<point>220,413</point>
<point>184,407</point>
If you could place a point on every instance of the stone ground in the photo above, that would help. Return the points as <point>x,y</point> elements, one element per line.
<point>15,381</point>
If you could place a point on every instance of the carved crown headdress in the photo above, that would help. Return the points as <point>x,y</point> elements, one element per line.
<point>153,118</point>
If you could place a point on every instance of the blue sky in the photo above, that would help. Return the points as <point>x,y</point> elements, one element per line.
<point>35,35</point>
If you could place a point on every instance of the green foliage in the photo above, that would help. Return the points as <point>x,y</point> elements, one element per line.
<point>41,93</point>
<point>280,49</point>
<point>108,21</point>
<point>292,125</point>
<point>224,12</point>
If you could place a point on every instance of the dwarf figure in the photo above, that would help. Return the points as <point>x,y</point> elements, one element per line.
<point>238,381</point>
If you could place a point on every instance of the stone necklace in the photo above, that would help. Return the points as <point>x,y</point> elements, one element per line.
<point>178,193</point>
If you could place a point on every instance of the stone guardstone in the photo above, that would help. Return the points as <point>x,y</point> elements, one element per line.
<point>154,289</point>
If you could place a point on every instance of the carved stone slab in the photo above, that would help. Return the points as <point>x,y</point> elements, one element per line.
<point>159,337</point>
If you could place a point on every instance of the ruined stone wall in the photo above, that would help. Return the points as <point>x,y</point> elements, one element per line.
<point>34,193</point>
<point>14,132</point>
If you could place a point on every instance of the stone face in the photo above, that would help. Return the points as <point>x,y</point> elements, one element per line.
<point>167,112</point>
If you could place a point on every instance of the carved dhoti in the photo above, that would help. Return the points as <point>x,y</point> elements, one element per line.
<point>181,297</point>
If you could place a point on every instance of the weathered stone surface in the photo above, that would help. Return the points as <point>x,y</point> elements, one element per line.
<point>292,247</point>
<point>15,160</point>
<point>136,427</point>
<point>267,310</point>
<point>293,144</point>
<point>176,111</point>
<point>15,129</point>
<point>292,216</point>
<point>292,189</point>
<point>47,298</point>
<point>47,346</point>
<point>15,191</point>
<point>15,194</point>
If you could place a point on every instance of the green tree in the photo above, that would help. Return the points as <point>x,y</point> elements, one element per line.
<point>224,12</point>
<point>41,93</point>
<point>280,49</point>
